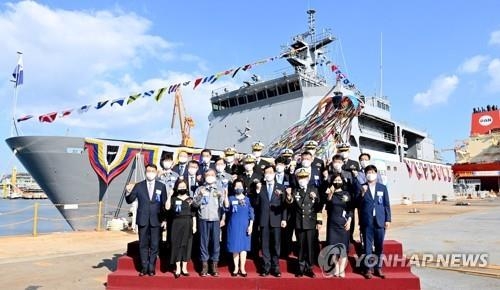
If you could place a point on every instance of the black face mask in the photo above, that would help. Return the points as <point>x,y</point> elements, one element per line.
<point>288,161</point>
<point>181,191</point>
<point>338,185</point>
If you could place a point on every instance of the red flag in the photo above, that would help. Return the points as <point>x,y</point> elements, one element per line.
<point>48,118</point>
<point>66,113</point>
<point>197,82</point>
<point>334,67</point>
<point>24,118</point>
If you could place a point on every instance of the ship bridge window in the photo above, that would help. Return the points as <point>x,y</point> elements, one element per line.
<point>294,86</point>
<point>111,153</point>
<point>271,92</point>
<point>252,98</point>
<point>242,100</point>
<point>233,102</point>
<point>224,104</point>
<point>283,89</point>
<point>216,106</point>
<point>261,95</point>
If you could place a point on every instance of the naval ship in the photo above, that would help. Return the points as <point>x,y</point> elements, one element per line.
<point>77,173</point>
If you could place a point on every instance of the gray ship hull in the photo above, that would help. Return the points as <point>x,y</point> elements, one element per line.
<point>60,165</point>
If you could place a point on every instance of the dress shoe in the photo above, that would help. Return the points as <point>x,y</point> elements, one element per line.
<point>299,275</point>
<point>379,273</point>
<point>177,275</point>
<point>310,274</point>
<point>185,274</point>
<point>152,273</point>
<point>277,274</point>
<point>143,273</point>
<point>234,274</point>
<point>264,274</point>
<point>243,274</point>
<point>368,275</point>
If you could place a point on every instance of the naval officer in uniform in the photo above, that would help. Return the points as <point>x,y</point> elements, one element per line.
<point>260,163</point>
<point>304,202</point>
<point>311,146</point>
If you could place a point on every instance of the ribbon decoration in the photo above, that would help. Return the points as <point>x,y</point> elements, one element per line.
<point>328,123</point>
<point>157,94</point>
<point>178,208</point>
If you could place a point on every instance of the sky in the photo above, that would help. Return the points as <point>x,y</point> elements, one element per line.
<point>440,59</point>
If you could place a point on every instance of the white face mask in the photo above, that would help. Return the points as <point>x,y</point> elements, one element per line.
<point>280,169</point>
<point>371,177</point>
<point>150,176</point>
<point>269,177</point>
<point>183,159</point>
<point>210,179</point>
<point>345,155</point>
<point>249,167</point>
<point>220,168</point>
<point>206,160</point>
<point>364,163</point>
<point>229,159</point>
<point>257,154</point>
<point>192,171</point>
<point>167,164</point>
<point>303,183</point>
<point>306,163</point>
<point>337,167</point>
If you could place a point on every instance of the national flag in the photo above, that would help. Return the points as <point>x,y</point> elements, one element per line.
<point>132,98</point>
<point>118,101</point>
<point>24,118</point>
<point>84,109</point>
<point>48,118</point>
<point>101,104</point>
<point>159,93</point>
<point>18,72</point>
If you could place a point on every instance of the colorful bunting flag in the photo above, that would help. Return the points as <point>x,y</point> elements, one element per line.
<point>118,101</point>
<point>66,113</point>
<point>235,72</point>
<point>159,94</point>
<point>148,93</point>
<point>83,109</point>
<point>197,82</point>
<point>101,104</point>
<point>132,98</point>
<point>48,118</point>
<point>24,118</point>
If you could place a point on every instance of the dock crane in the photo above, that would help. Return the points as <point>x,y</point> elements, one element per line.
<point>185,122</point>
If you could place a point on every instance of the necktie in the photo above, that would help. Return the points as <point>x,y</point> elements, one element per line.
<point>181,170</point>
<point>269,190</point>
<point>191,181</point>
<point>150,190</point>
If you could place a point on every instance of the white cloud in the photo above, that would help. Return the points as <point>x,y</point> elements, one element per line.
<point>473,64</point>
<point>440,90</point>
<point>495,37</point>
<point>74,58</point>
<point>494,73</point>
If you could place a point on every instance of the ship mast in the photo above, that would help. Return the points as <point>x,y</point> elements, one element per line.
<point>306,50</point>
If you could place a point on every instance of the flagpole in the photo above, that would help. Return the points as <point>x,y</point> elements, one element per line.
<point>14,105</point>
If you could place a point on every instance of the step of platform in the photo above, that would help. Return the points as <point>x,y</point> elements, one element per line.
<point>125,280</point>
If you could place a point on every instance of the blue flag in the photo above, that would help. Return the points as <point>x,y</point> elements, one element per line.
<point>18,72</point>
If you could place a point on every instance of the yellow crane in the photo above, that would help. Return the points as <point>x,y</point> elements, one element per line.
<point>185,122</point>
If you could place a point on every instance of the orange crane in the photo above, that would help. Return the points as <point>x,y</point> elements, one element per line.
<point>185,122</point>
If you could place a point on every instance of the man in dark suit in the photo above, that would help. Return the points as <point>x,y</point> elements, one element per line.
<point>249,176</point>
<point>205,162</point>
<point>304,201</point>
<point>349,164</point>
<point>375,218</point>
<point>181,167</point>
<point>283,178</point>
<point>260,163</point>
<point>151,196</point>
<point>269,202</point>
<point>232,166</point>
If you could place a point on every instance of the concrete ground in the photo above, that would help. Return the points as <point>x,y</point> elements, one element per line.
<point>82,260</point>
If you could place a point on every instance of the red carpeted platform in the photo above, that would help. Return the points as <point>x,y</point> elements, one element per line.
<point>398,275</point>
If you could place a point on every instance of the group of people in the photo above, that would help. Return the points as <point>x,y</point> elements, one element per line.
<point>257,206</point>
